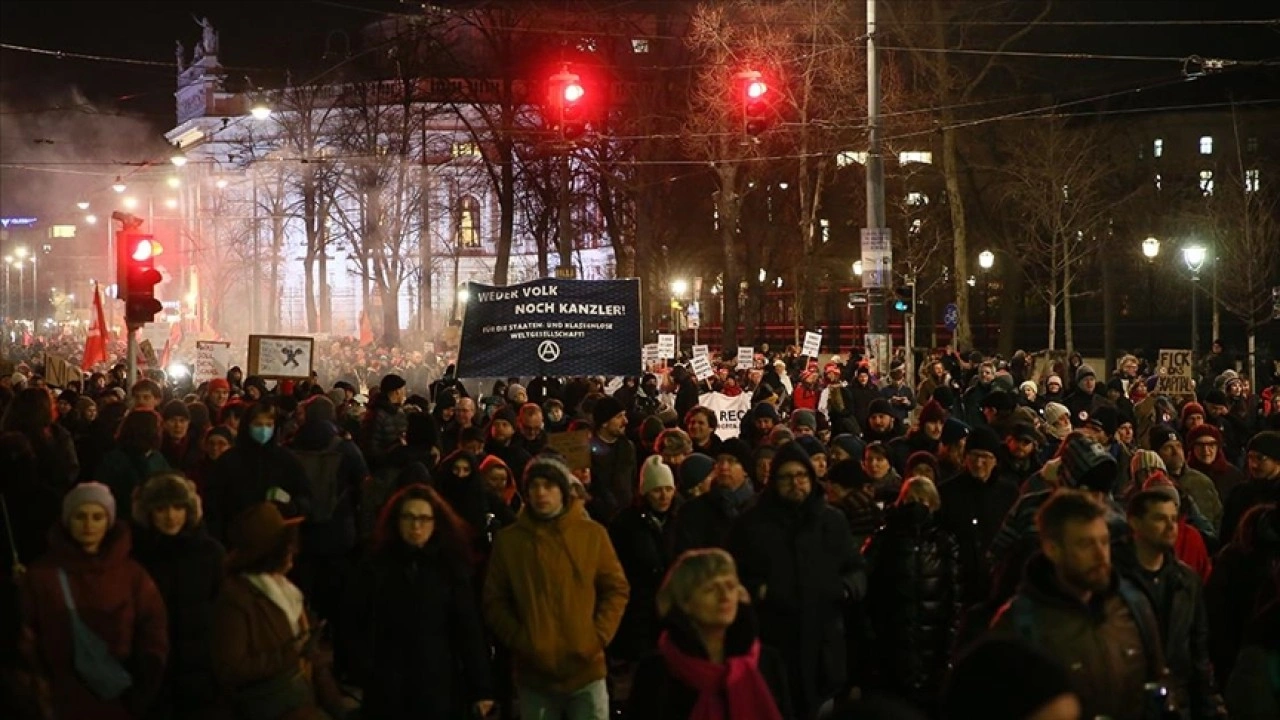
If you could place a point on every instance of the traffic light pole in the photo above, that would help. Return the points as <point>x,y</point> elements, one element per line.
<point>566,269</point>
<point>877,322</point>
<point>132,351</point>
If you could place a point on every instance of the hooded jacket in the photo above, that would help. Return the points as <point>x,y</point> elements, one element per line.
<point>250,473</point>
<point>972,511</point>
<point>116,598</point>
<point>644,540</point>
<point>554,595</point>
<point>484,512</point>
<point>801,567</point>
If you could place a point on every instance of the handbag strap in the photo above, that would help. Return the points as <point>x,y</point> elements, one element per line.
<point>8,528</point>
<point>66,591</point>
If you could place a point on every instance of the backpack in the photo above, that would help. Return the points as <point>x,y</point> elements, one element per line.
<point>320,469</point>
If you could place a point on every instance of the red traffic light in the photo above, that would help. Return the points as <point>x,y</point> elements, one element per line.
<point>573,92</point>
<point>145,249</point>
<point>756,89</point>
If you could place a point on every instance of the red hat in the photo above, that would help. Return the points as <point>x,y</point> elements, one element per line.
<point>831,367</point>
<point>933,412</point>
<point>219,384</point>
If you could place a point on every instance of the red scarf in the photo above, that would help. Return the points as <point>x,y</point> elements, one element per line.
<point>738,681</point>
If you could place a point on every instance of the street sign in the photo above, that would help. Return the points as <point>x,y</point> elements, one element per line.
<point>877,257</point>
<point>858,297</point>
<point>951,316</point>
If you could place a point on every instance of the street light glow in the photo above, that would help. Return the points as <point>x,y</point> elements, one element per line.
<point>260,111</point>
<point>130,202</point>
<point>857,268</point>
<point>464,296</point>
<point>221,183</point>
<point>1150,248</point>
<point>83,205</point>
<point>91,219</point>
<point>20,252</point>
<point>986,259</point>
<point>679,287</point>
<point>119,185</point>
<point>1194,256</point>
<point>171,203</point>
<point>178,158</point>
<point>174,182</point>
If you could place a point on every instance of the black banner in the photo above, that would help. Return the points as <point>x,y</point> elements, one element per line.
<point>551,327</point>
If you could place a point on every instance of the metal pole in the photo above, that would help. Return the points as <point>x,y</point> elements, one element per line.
<point>35,291</point>
<point>566,242</point>
<point>1195,318</point>
<point>877,321</point>
<point>1151,313</point>
<point>22,288</point>
<point>255,291</point>
<point>132,351</point>
<point>910,367</point>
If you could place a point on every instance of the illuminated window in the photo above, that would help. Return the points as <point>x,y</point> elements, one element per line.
<point>1206,182</point>
<point>1157,147</point>
<point>62,231</point>
<point>1206,145</point>
<point>468,235</point>
<point>825,224</point>
<point>639,46</point>
<point>917,198</point>
<point>1251,180</point>
<point>465,149</point>
<point>1159,183</point>
<point>915,156</point>
<point>587,45</point>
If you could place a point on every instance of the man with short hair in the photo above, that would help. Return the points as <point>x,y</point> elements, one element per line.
<point>1262,460</point>
<point>1019,456</point>
<point>1166,443</point>
<point>557,638</point>
<point>613,459</point>
<point>700,422</point>
<point>500,440</point>
<point>882,424</point>
<point>1083,399</point>
<point>530,433</point>
<point>978,392</point>
<point>1077,609</point>
<point>974,502</point>
<point>803,422</point>
<point>705,521</point>
<point>464,416</point>
<point>1176,595</point>
<point>146,395</point>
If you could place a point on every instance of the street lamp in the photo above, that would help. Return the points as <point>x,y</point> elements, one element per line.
<point>178,158</point>
<point>679,288</point>
<point>119,185</point>
<point>1194,256</point>
<point>857,268</point>
<point>1150,249</point>
<point>986,261</point>
<point>91,219</point>
<point>83,205</point>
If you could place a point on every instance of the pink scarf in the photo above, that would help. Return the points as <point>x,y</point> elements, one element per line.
<point>738,681</point>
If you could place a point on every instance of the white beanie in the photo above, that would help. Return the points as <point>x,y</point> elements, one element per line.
<point>90,492</point>
<point>655,474</point>
<point>1053,412</point>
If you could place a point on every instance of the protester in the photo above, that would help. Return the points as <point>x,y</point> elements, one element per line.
<point>30,413</point>
<point>255,470</point>
<point>644,536</point>
<point>135,458</point>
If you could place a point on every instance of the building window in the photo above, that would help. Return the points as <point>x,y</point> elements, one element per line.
<point>1157,147</point>
<point>1159,183</point>
<point>825,225</point>
<point>1251,180</point>
<point>1206,145</point>
<point>465,149</point>
<point>468,235</point>
<point>639,46</point>
<point>917,198</point>
<point>1251,145</point>
<point>1206,182</point>
<point>915,156</point>
<point>62,231</point>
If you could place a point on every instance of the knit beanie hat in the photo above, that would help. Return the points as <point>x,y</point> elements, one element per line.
<point>90,492</point>
<point>932,412</point>
<point>693,470</point>
<point>804,418</point>
<point>1085,371</point>
<point>1266,444</point>
<point>780,435</point>
<point>1053,412</point>
<point>766,410</point>
<point>550,468</point>
<point>320,409</point>
<point>655,474</point>
<point>221,431</point>
<point>1052,380</point>
<point>1000,401</point>
<point>514,389</point>
<point>851,444</point>
<point>673,441</point>
<point>983,438</point>
<point>1086,465</point>
<point>219,384</point>
<point>1159,435</point>
<point>1191,408</point>
<point>848,474</point>
<point>1106,419</point>
<point>880,406</point>
<point>1161,482</point>
<point>923,457</point>
<point>176,408</point>
<point>1145,460</point>
<point>812,445</point>
<point>1029,384</point>
<point>979,686</point>
<point>606,408</point>
<point>953,431</point>
<point>390,383</point>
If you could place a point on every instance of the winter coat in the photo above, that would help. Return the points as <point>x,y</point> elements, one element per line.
<point>184,454</point>
<point>125,471</point>
<point>644,541</point>
<point>1241,577</point>
<point>386,428</point>
<point>657,693</point>
<point>1254,690</point>
<point>116,599</point>
<point>187,569</point>
<point>57,462</point>
<point>901,448</point>
<point>1243,498</point>
<point>972,511</point>
<point>1202,491</point>
<point>913,601</point>
<point>244,476</point>
<point>338,534</point>
<point>800,565</point>
<point>415,639</point>
<point>484,512</point>
<point>1111,647</point>
<point>613,474</point>
<point>864,514</point>
<point>706,520</point>
<point>554,595</point>
<point>254,649</point>
<point>1184,625</point>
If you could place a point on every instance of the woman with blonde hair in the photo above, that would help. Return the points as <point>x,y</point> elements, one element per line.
<point>710,664</point>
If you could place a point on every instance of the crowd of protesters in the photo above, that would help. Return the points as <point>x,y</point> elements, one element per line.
<point>990,539</point>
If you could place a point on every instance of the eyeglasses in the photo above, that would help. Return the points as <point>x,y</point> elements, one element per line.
<point>793,476</point>
<point>1210,444</point>
<point>411,519</point>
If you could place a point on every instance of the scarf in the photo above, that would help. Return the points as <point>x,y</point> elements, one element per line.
<point>734,690</point>
<point>283,593</point>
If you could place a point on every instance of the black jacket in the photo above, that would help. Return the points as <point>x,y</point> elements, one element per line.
<point>973,511</point>
<point>644,542</point>
<point>913,601</point>
<point>1244,497</point>
<point>706,520</point>
<point>413,635</point>
<point>484,512</point>
<point>800,565</point>
<point>1240,579</point>
<point>1184,628</point>
<point>657,693</point>
<point>243,476</point>
<point>187,569</point>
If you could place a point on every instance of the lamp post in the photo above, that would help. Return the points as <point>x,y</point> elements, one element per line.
<point>20,257</point>
<point>678,289</point>
<point>1150,249</point>
<point>1194,256</point>
<point>986,261</point>
<point>8,264</point>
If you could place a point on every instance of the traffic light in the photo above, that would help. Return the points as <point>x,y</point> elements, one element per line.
<point>129,226</point>
<point>566,100</point>
<point>755,103</point>
<point>140,303</point>
<point>903,300</point>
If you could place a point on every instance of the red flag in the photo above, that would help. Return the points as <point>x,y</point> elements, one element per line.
<point>175,339</point>
<point>366,330</point>
<point>95,346</point>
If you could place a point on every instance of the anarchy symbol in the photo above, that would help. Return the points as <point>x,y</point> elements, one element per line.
<point>548,351</point>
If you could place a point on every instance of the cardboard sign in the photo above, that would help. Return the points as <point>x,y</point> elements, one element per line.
<point>574,446</point>
<point>701,367</point>
<point>1176,377</point>
<point>149,354</point>
<point>746,358</point>
<point>701,350</point>
<point>58,372</point>
<point>280,357</point>
<point>213,359</point>
<point>649,355</point>
<point>812,344</point>
<point>667,346</point>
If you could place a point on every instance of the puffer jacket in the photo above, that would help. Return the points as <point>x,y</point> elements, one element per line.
<point>913,600</point>
<point>554,595</point>
<point>1110,646</point>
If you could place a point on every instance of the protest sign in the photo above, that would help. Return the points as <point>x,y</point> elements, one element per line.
<point>812,344</point>
<point>729,412</point>
<point>574,446</point>
<point>551,326</point>
<point>667,346</point>
<point>280,357</point>
<point>701,367</point>
<point>704,350</point>
<point>746,358</point>
<point>1176,377</point>
<point>58,372</point>
<point>213,359</point>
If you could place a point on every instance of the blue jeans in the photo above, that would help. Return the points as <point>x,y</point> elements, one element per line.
<point>590,702</point>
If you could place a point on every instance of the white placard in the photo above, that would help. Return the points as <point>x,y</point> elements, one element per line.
<point>649,355</point>
<point>280,357</point>
<point>667,346</point>
<point>729,411</point>
<point>746,357</point>
<point>213,359</point>
<point>812,344</point>
<point>701,367</point>
<point>704,350</point>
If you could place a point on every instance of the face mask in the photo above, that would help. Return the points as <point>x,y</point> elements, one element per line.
<point>261,434</point>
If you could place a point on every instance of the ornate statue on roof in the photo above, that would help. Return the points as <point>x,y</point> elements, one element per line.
<point>208,40</point>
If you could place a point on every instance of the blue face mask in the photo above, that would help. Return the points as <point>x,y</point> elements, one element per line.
<point>260,434</point>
